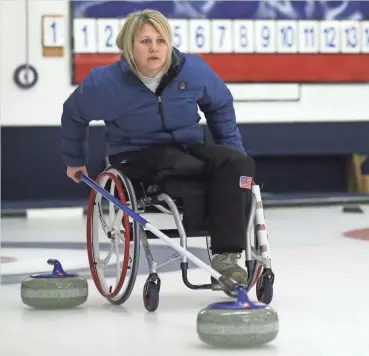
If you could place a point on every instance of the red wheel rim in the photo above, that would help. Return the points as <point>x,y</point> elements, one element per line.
<point>90,251</point>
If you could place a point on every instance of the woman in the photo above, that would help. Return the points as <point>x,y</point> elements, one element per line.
<point>149,102</point>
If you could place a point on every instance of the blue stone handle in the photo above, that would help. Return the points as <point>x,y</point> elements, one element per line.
<point>57,272</point>
<point>242,296</point>
<point>58,269</point>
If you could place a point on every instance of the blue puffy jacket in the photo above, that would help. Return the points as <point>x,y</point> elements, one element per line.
<point>135,117</point>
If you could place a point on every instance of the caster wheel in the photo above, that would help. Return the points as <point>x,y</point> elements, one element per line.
<point>264,287</point>
<point>151,293</point>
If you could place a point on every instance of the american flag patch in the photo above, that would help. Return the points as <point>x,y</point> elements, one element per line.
<point>245,182</point>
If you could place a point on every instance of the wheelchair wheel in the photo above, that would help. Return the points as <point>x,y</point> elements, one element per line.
<point>257,266</point>
<point>115,273</point>
<point>263,278</point>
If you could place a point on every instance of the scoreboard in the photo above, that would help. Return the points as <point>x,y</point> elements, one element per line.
<point>243,41</point>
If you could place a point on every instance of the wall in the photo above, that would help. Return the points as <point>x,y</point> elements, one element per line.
<point>286,119</point>
<point>42,104</point>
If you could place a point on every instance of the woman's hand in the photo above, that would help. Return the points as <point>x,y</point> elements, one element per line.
<point>75,173</point>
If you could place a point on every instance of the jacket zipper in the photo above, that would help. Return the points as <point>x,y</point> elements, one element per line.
<point>161,112</point>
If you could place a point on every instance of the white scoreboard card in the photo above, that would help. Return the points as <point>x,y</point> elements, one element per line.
<point>265,36</point>
<point>85,36</point>
<point>243,36</point>
<point>107,32</point>
<point>199,36</point>
<point>350,36</point>
<point>287,36</point>
<point>180,31</point>
<point>330,36</point>
<point>364,36</point>
<point>221,36</point>
<point>308,36</point>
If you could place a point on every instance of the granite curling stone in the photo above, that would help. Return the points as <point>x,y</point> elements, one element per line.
<point>56,290</point>
<point>237,324</point>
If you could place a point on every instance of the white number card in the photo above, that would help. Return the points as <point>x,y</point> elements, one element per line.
<point>265,32</point>
<point>329,36</point>
<point>107,31</point>
<point>243,36</point>
<point>53,31</point>
<point>180,34</point>
<point>221,35</point>
<point>308,36</point>
<point>85,36</point>
<point>200,36</point>
<point>350,36</point>
<point>287,36</point>
<point>364,35</point>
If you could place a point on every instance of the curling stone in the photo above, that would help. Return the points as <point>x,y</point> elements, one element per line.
<point>55,290</point>
<point>237,324</point>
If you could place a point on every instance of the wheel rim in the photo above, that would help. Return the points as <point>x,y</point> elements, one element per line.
<point>94,218</point>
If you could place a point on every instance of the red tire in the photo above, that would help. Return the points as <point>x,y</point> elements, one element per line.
<point>96,220</point>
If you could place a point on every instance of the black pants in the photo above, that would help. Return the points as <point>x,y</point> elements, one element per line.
<point>223,174</point>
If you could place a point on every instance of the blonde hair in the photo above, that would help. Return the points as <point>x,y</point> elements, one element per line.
<point>132,26</point>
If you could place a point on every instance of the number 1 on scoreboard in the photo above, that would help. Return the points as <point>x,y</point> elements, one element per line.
<point>85,36</point>
<point>53,31</point>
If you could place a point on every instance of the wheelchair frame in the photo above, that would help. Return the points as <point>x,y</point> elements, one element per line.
<point>257,257</point>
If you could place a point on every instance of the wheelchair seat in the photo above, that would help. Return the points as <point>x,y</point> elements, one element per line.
<point>188,194</point>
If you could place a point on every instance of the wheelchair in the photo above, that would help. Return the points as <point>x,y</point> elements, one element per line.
<point>124,237</point>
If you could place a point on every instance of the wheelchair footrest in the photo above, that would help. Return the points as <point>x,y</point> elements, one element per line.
<point>184,268</point>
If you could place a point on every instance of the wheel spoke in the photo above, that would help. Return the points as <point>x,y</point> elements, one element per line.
<point>116,244</point>
<point>104,262</point>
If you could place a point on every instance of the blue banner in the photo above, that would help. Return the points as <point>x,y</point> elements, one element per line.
<point>242,9</point>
